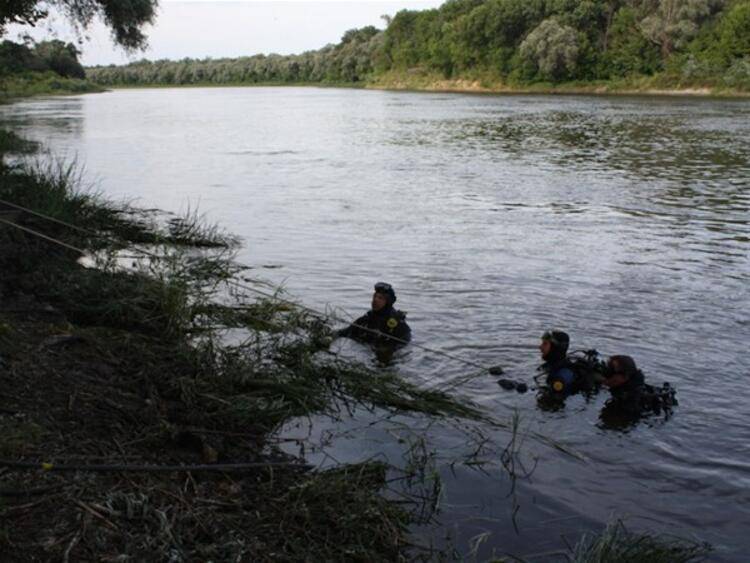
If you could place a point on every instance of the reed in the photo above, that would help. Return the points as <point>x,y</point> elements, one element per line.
<point>617,543</point>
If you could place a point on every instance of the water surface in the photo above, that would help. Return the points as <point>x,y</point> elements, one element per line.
<point>623,221</point>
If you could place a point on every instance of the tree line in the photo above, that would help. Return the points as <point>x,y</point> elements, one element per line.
<point>55,56</point>
<point>124,18</point>
<point>350,61</point>
<point>28,68</point>
<point>562,40</point>
<point>702,42</point>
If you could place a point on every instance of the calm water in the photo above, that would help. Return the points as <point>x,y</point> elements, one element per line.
<point>624,221</point>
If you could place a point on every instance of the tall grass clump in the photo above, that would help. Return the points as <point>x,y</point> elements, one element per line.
<point>41,83</point>
<point>57,188</point>
<point>617,544</point>
<point>10,143</point>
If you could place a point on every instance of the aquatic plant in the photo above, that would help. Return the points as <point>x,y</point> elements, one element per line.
<point>617,543</point>
<point>10,143</point>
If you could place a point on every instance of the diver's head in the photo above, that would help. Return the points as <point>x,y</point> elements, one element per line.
<point>621,366</point>
<point>383,297</point>
<point>554,345</point>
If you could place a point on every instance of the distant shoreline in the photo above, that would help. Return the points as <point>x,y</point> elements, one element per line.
<point>491,85</point>
<point>463,86</point>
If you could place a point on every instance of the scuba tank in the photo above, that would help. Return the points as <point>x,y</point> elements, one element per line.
<point>658,399</point>
<point>588,368</point>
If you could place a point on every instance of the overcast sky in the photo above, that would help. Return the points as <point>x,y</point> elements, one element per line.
<point>230,28</point>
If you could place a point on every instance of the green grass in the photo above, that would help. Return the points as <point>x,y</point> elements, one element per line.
<point>10,143</point>
<point>618,545</point>
<point>265,84</point>
<point>58,189</point>
<point>478,81</point>
<point>43,83</point>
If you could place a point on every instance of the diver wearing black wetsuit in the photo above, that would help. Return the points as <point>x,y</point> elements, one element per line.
<point>382,324</point>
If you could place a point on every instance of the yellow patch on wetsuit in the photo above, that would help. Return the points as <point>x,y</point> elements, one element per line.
<point>558,386</point>
<point>392,323</point>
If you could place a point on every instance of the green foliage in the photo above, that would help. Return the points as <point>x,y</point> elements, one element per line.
<point>47,67</point>
<point>56,56</point>
<point>672,23</point>
<point>37,83</point>
<point>60,57</point>
<point>491,31</point>
<point>16,58</point>
<point>669,42</point>
<point>629,52</point>
<point>616,543</point>
<point>24,12</point>
<point>738,75</point>
<point>13,144</point>
<point>734,32</point>
<point>727,40</point>
<point>552,49</point>
<point>172,293</point>
<point>350,61</point>
<point>719,53</point>
<point>125,18</point>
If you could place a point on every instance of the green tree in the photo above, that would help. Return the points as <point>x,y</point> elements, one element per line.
<point>671,24</point>
<point>722,46</point>
<point>553,49</point>
<point>490,29</point>
<point>628,51</point>
<point>734,32</point>
<point>125,18</point>
<point>24,12</point>
<point>60,57</point>
<point>16,58</point>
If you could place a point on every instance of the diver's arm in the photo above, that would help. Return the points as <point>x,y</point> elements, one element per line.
<point>354,329</point>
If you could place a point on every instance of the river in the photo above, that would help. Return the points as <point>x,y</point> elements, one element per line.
<point>623,220</point>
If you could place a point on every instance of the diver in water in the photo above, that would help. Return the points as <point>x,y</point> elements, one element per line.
<point>560,379</point>
<point>626,384</point>
<point>382,324</point>
<point>566,374</point>
<point>631,395</point>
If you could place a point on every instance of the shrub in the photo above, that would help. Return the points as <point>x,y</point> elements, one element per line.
<point>553,48</point>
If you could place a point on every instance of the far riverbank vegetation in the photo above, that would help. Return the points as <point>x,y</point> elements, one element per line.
<point>700,46</point>
<point>47,67</point>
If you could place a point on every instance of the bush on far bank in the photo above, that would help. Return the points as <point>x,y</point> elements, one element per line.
<point>54,56</point>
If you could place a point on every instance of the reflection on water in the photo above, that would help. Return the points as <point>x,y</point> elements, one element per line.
<point>656,148</point>
<point>623,221</point>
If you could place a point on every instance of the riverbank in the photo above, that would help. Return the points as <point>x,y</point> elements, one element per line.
<point>422,81</point>
<point>434,83</point>
<point>157,86</point>
<point>43,83</point>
